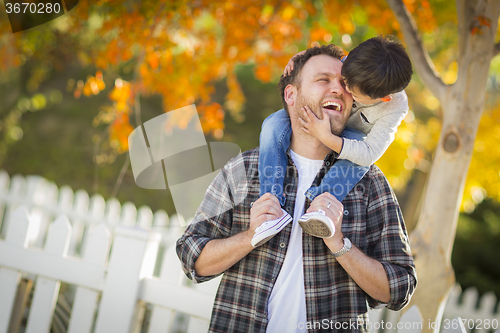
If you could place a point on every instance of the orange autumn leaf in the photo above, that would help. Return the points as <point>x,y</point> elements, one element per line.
<point>263,73</point>
<point>119,131</point>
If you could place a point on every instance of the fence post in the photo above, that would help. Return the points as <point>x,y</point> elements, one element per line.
<point>85,302</point>
<point>132,258</point>
<point>162,319</point>
<point>17,233</point>
<point>46,290</point>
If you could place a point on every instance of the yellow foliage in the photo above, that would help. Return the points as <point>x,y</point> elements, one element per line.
<point>483,177</point>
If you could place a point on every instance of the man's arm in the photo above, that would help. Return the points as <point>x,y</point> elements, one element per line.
<point>368,273</point>
<point>218,255</point>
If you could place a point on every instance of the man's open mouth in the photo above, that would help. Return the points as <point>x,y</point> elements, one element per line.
<point>334,106</point>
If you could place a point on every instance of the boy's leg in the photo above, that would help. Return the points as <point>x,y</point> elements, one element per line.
<point>274,141</point>
<point>339,181</point>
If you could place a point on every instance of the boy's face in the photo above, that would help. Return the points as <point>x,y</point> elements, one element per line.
<point>358,97</point>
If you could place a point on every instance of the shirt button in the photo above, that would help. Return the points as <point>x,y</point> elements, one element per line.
<point>346,212</point>
<point>288,209</point>
<point>273,279</point>
<point>282,245</point>
<point>327,163</point>
<point>251,204</point>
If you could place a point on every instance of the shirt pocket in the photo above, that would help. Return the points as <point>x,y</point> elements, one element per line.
<point>244,196</point>
<point>354,227</point>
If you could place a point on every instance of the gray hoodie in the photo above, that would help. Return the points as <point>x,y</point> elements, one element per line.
<point>379,122</point>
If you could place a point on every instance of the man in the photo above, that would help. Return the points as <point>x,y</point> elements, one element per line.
<point>296,282</point>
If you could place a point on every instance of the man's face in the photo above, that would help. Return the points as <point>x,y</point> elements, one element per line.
<point>322,89</point>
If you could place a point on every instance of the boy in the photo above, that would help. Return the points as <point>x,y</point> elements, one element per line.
<point>375,73</point>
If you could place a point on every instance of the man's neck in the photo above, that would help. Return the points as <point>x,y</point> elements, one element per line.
<point>309,147</point>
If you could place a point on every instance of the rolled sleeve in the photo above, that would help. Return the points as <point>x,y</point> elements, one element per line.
<point>189,249</point>
<point>388,243</point>
<point>214,217</point>
<point>402,283</point>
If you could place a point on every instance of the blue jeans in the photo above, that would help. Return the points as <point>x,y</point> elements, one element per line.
<point>273,160</point>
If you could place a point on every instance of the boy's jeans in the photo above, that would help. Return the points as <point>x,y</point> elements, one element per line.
<point>273,160</point>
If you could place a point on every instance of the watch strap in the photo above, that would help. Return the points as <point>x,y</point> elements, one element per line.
<point>347,246</point>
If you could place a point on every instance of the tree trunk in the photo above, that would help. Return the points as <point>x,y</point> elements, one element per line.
<point>462,103</point>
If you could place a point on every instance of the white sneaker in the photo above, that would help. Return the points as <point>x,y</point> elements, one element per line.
<point>317,224</point>
<point>268,229</point>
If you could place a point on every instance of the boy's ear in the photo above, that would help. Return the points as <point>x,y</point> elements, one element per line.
<point>386,98</point>
<point>290,94</point>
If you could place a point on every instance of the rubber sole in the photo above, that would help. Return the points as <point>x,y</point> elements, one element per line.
<point>316,228</point>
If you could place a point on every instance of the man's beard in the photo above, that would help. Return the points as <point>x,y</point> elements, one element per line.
<point>336,127</point>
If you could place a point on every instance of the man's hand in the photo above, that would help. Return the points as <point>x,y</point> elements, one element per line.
<point>335,211</point>
<point>266,208</point>
<point>220,254</point>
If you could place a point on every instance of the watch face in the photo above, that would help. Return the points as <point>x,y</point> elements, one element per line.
<point>347,243</point>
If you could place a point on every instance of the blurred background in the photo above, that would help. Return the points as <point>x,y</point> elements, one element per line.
<point>73,89</point>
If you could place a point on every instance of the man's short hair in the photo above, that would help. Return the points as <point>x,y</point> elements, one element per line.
<point>378,67</point>
<point>294,77</point>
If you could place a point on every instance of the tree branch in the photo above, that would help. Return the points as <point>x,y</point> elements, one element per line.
<point>120,176</point>
<point>421,60</point>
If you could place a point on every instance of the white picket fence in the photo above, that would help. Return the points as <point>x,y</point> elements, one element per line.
<point>120,267</point>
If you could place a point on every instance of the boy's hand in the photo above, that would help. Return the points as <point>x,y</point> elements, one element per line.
<point>319,128</point>
<point>289,66</point>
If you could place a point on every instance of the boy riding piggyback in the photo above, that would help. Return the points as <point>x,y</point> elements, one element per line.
<point>375,74</point>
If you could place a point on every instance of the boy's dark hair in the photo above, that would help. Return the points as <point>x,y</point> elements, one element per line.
<point>378,67</point>
<point>299,62</point>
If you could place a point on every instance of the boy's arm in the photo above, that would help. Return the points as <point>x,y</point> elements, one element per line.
<point>381,135</point>
<point>333,142</point>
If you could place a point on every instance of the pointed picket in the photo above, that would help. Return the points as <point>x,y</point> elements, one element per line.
<point>97,207</point>
<point>85,302</point>
<point>95,216</point>
<point>80,210</point>
<point>17,234</point>
<point>14,198</point>
<point>145,217</point>
<point>46,290</point>
<point>129,214</point>
<point>132,259</point>
<point>43,216</point>
<point>113,212</point>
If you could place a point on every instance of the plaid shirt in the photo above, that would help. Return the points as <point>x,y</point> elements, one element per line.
<point>334,302</point>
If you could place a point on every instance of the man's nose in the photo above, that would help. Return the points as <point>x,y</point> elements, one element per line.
<point>337,88</point>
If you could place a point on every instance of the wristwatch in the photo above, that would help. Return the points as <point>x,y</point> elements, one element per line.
<point>344,250</point>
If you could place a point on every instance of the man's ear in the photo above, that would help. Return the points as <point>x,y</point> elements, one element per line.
<point>290,94</point>
<point>386,98</point>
